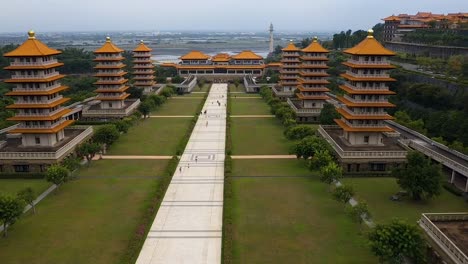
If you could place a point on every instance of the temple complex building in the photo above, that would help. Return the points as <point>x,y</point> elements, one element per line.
<point>289,72</point>
<point>221,65</point>
<point>362,139</point>
<point>143,69</point>
<point>111,102</point>
<point>43,135</point>
<point>312,83</point>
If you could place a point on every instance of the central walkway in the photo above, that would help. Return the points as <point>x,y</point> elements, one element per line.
<point>188,225</point>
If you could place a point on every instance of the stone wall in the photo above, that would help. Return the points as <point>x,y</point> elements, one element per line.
<point>426,50</point>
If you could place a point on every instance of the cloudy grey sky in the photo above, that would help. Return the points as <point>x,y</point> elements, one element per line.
<point>226,15</point>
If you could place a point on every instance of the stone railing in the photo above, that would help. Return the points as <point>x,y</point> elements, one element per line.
<point>369,62</point>
<point>367,75</point>
<point>440,158</point>
<point>281,93</point>
<point>88,131</point>
<point>110,112</point>
<point>426,223</point>
<point>38,63</point>
<point>188,84</point>
<point>303,110</point>
<point>358,154</point>
<point>6,129</point>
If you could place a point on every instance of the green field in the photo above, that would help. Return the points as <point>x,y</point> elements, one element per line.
<point>233,88</point>
<point>377,192</point>
<point>254,106</point>
<point>12,186</point>
<point>152,136</point>
<point>235,95</point>
<point>204,88</point>
<point>292,220</point>
<point>270,167</point>
<point>185,106</point>
<point>258,136</point>
<point>89,220</point>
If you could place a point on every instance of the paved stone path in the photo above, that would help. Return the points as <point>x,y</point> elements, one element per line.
<point>188,225</point>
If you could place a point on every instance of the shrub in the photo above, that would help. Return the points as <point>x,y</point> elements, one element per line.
<point>343,193</point>
<point>106,134</point>
<point>298,132</point>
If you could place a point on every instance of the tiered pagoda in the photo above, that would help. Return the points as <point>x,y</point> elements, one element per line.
<point>111,85</point>
<point>42,135</point>
<point>289,71</point>
<point>312,82</point>
<point>362,140</point>
<point>143,69</point>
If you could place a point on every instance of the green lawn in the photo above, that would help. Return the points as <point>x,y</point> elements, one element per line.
<point>12,186</point>
<point>254,106</point>
<point>239,88</point>
<point>377,191</point>
<point>258,136</point>
<point>204,88</point>
<point>89,220</point>
<point>235,95</point>
<point>153,136</point>
<point>292,220</point>
<point>185,106</point>
<point>270,167</point>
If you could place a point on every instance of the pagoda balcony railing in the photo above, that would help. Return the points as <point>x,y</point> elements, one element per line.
<point>34,76</point>
<point>445,243</point>
<point>149,71</point>
<point>101,57</point>
<point>139,59</point>
<point>41,88</point>
<point>44,114</point>
<point>300,110</point>
<point>20,101</point>
<point>365,125</point>
<point>144,77</point>
<point>37,63</point>
<point>109,64</point>
<point>51,155</point>
<point>314,57</point>
<point>366,101</point>
<point>367,75</point>
<point>368,62</point>
<point>368,88</point>
<point>364,113</point>
<point>357,154</point>
<point>23,125</point>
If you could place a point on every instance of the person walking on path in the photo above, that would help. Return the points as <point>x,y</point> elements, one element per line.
<point>180,169</point>
<point>206,123</point>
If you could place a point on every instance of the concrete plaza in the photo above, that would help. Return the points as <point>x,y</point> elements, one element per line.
<point>188,225</point>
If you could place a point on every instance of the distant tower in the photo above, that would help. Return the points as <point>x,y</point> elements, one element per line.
<point>271,38</point>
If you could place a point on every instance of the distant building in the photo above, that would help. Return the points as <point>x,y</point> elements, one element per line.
<point>289,72</point>
<point>362,140</point>
<point>143,69</point>
<point>220,66</point>
<point>396,26</point>
<point>43,135</point>
<point>111,102</point>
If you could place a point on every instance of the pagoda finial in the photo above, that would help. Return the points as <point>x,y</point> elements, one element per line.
<point>315,39</point>
<point>108,39</point>
<point>142,42</point>
<point>31,34</point>
<point>370,33</point>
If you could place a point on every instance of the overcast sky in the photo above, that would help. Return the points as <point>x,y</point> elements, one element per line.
<point>225,15</point>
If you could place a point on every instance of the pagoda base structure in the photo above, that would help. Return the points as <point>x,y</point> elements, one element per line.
<point>94,111</point>
<point>15,158</point>
<point>365,159</point>
<point>281,93</point>
<point>304,114</point>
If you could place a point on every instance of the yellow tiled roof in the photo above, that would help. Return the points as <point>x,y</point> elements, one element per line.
<point>32,47</point>
<point>142,47</point>
<point>369,46</point>
<point>290,47</point>
<point>108,47</point>
<point>315,47</point>
<point>392,18</point>
<point>247,55</point>
<point>195,55</point>
<point>221,57</point>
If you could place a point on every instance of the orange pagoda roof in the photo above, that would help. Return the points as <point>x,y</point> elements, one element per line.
<point>195,55</point>
<point>291,47</point>
<point>369,46</point>
<point>247,55</point>
<point>315,47</point>
<point>142,47</point>
<point>108,47</point>
<point>31,48</point>
<point>221,57</point>
<point>392,18</point>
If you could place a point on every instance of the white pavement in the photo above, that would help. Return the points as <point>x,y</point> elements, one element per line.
<point>188,225</point>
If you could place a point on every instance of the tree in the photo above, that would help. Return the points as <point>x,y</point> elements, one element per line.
<point>328,114</point>
<point>145,108</point>
<point>330,173</point>
<point>106,134</point>
<point>57,174</point>
<point>419,178</point>
<point>343,193</point>
<point>88,150</point>
<point>11,209</point>
<point>28,196</point>
<point>320,159</point>
<point>122,126</point>
<point>299,132</point>
<point>359,212</point>
<point>308,146</point>
<point>397,240</point>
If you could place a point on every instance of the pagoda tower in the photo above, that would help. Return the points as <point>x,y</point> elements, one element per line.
<point>289,70</point>
<point>111,84</point>
<point>366,87</point>
<point>143,69</point>
<point>36,91</point>
<point>313,76</point>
